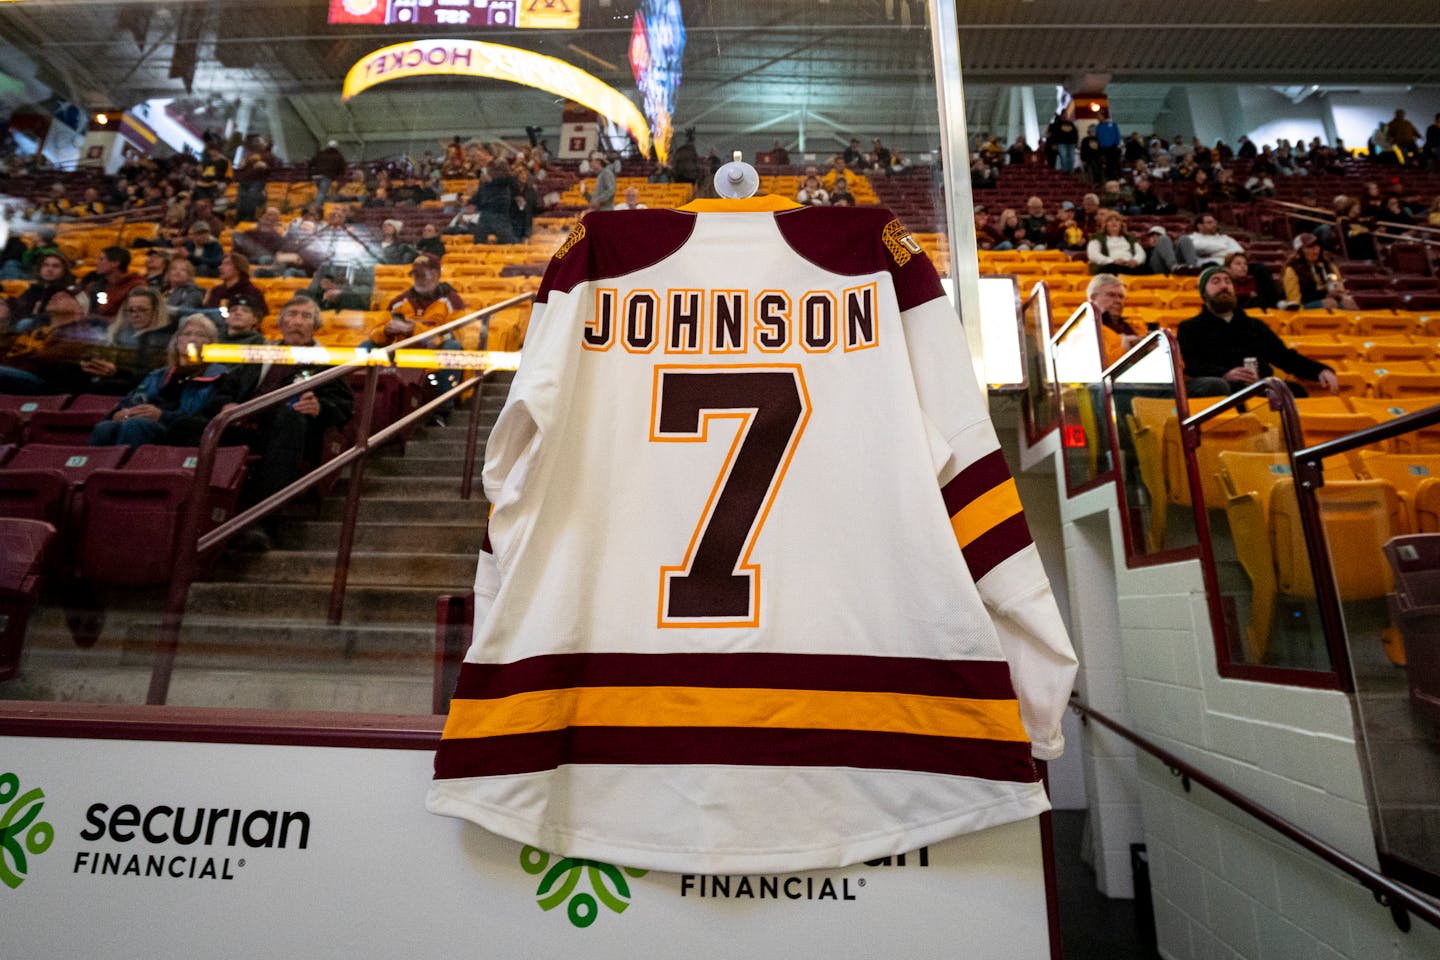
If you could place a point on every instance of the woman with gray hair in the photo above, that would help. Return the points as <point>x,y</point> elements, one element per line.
<point>173,403</point>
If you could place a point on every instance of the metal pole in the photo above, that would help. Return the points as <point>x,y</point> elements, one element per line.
<point>352,499</point>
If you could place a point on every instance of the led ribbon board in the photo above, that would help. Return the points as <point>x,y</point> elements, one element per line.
<point>335,356</point>
<point>474,58</point>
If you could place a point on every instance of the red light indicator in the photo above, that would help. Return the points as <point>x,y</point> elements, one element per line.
<point>1074,436</point>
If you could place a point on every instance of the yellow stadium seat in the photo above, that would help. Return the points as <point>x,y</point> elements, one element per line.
<point>1384,324</point>
<point>1067,266</point>
<point>1306,322</point>
<point>1264,519</point>
<point>1239,432</point>
<point>1409,473</point>
<point>1395,348</point>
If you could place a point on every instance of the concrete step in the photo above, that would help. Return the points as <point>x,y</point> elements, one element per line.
<point>452,450</point>
<point>384,487</point>
<point>408,509</point>
<point>452,537</point>
<point>286,645</point>
<point>43,678</point>
<point>416,465</point>
<point>367,568</point>
<point>406,606</point>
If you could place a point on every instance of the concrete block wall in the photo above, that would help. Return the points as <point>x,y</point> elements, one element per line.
<point>1224,885</point>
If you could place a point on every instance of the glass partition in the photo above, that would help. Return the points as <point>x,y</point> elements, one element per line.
<point>1042,400</point>
<point>393,170</point>
<point>1382,531</point>
<point>1075,355</point>
<point>1155,503</point>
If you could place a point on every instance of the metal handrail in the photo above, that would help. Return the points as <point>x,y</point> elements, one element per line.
<point>191,544</point>
<point>1399,899</point>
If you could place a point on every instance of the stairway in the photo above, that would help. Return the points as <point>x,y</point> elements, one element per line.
<point>255,633</point>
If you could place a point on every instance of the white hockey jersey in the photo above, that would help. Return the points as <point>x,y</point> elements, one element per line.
<point>757,594</point>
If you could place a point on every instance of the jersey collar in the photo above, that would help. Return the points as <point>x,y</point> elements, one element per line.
<point>766,204</point>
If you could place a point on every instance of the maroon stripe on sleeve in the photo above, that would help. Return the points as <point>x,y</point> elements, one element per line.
<point>972,679</point>
<point>996,545</point>
<point>981,476</point>
<point>533,752</point>
<point>485,543</point>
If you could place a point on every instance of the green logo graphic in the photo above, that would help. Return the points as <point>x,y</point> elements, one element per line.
<point>18,822</point>
<point>558,883</point>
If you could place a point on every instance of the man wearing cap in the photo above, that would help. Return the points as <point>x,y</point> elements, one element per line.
<point>1159,250</point>
<point>234,282</point>
<point>1065,233</point>
<point>110,282</point>
<point>1311,280</point>
<point>48,358</point>
<point>428,303</point>
<point>1219,340</point>
<point>157,264</point>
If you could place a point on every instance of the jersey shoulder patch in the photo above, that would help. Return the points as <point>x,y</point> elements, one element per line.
<point>612,243</point>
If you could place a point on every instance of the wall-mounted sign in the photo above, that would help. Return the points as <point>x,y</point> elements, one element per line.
<point>473,58</point>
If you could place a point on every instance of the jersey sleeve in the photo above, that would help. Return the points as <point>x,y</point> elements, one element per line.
<point>983,504</point>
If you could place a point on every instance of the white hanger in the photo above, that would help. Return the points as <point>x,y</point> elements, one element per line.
<point>736,180</point>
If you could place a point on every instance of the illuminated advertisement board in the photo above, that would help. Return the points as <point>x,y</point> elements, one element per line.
<point>539,14</point>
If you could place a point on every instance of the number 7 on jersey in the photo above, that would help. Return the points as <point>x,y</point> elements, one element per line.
<point>716,584</point>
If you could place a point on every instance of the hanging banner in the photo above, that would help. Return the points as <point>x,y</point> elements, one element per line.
<point>474,58</point>
<point>174,850</point>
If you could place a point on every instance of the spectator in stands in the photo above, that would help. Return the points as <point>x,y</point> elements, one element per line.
<point>1206,246</point>
<point>1247,150</point>
<point>1018,153</point>
<point>1063,135</point>
<point>1311,279</point>
<point>287,434</point>
<point>354,189</point>
<point>1090,213</point>
<point>1115,197</point>
<point>1162,170</point>
<point>526,200</point>
<point>138,336</point>
<point>1145,201</point>
<point>496,199</point>
<point>333,290</point>
<point>632,200</point>
<point>852,156</point>
<point>242,322</point>
<point>90,205</point>
<point>57,205</point>
<point>262,244</point>
<point>107,286</point>
<point>430,243</point>
<point>1067,233</point>
<point>202,249</point>
<point>157,264</point>
<point>202,210</point>
<point>49,358</point>
<point>1135,149</point>
<point>982,175</point>
<point>464,223</point>
<point>1432,143</point>
<point>428,303</point>
<point>52,275</point>
<point>173,403</point>
<point>234,281</point>
<point>1254,286</point>
<point>214,172</point>
<point>1091,156</point>
<point>1114,249</point>
<point>1394,216</point>
<point>179,292</point>
<point>685,161</point>
<point>1353,229</point>
<point>841,195</point>
<point>1036,223</point>
<point>779,155</point>
<point>987,237</point>
<point>602,195</point>
<point>1218,340</point>
<point>1201,196</point>
<point>1404,136</point>
<point>1160,256</point>
<point>337,242</point>
<point>1372,200</point>
<point>1106,295</point>
<point>251,174</point>
<point>812,194</point>
<point>392,249</point>
<point>1107,136</point>
<point>327,167</point>
<point>1012,231</point>
<point>1259,185</point>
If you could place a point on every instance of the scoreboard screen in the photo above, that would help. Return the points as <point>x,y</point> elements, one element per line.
<point>554,14</point>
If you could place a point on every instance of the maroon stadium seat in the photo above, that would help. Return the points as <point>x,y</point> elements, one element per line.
<point>41,481</point>
<point>97,402</point>
<point>132,518</point>
<point>6,450</point>
<point>16,411</point>
<point>62,426</point>
<point>225,481</point>
<point>24,545</point>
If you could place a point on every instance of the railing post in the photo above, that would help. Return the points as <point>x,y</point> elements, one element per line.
<point>352,498</point>
<point>472,433</point>
<point>185,567</point>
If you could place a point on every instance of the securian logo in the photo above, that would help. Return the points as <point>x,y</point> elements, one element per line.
<point>20,831</point>
<point>558,883</point>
